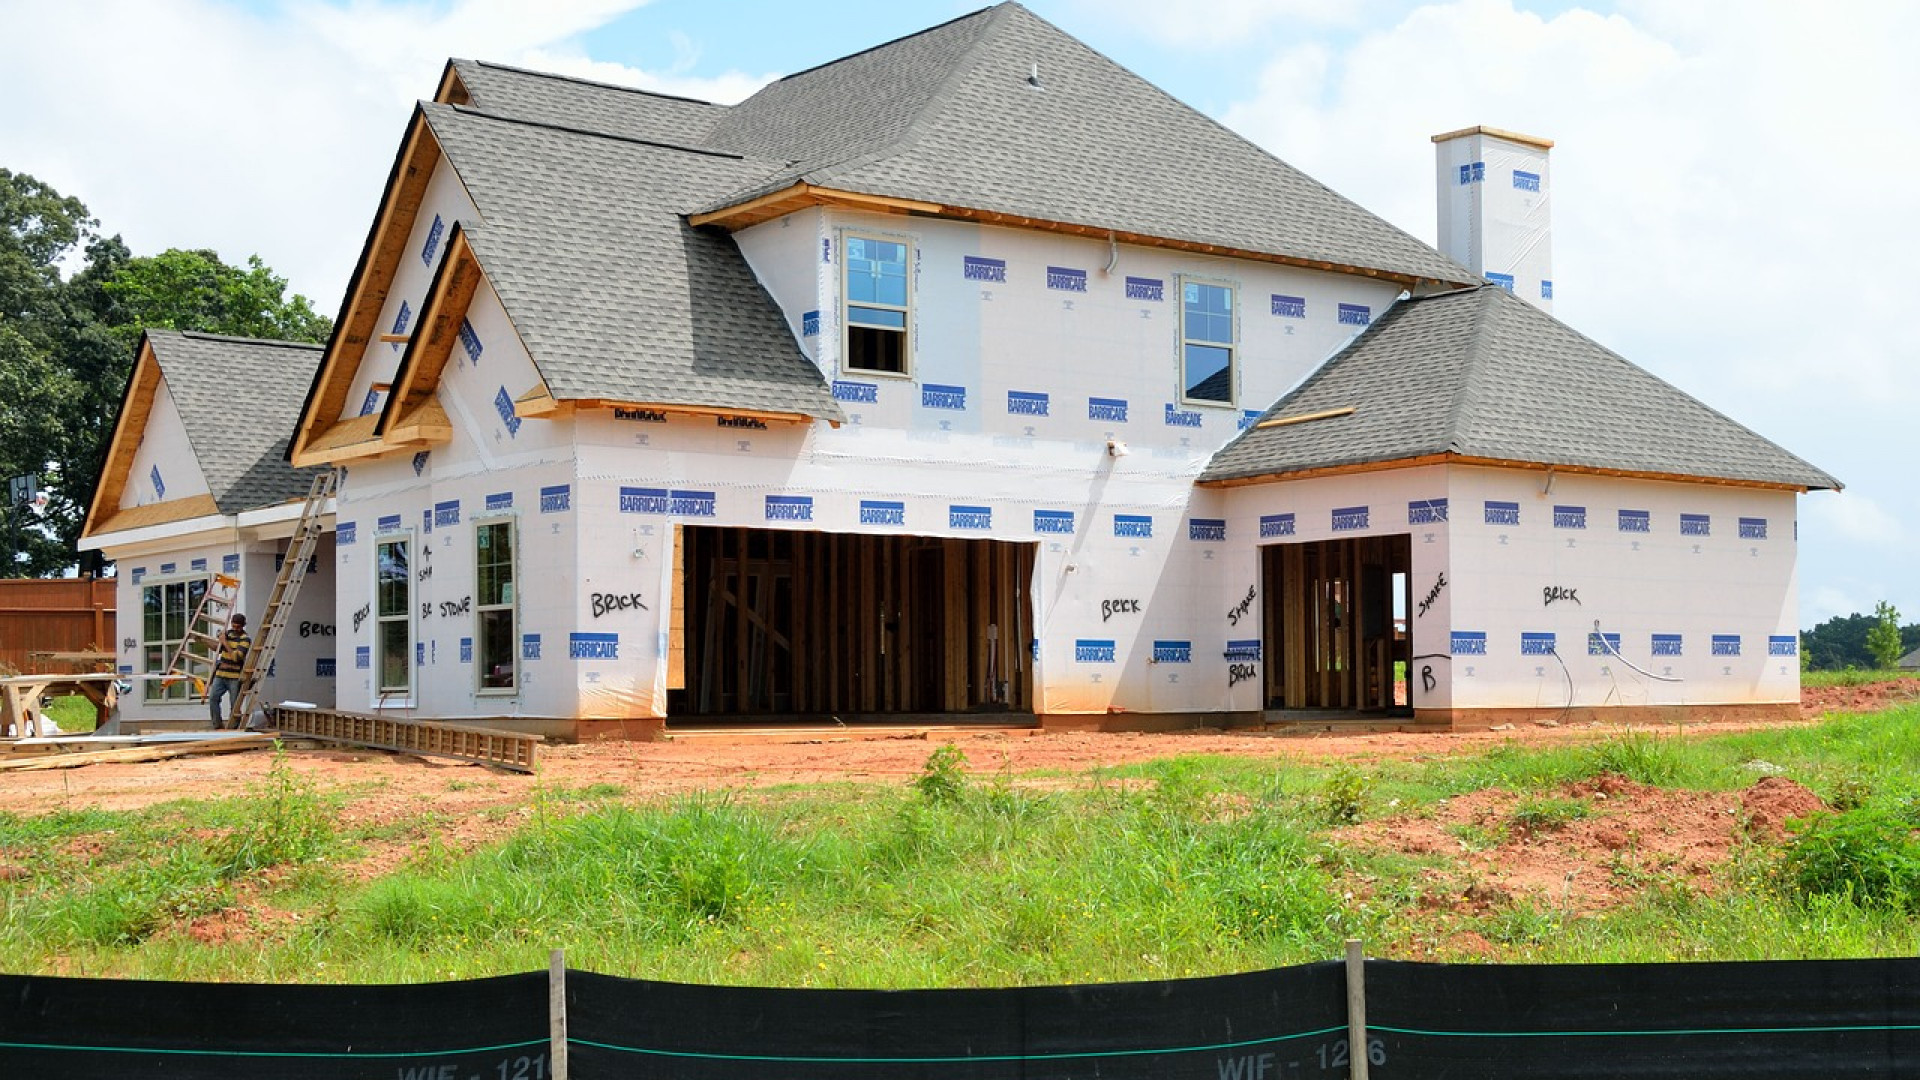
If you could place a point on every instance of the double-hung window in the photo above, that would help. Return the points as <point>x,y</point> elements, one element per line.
<point>877,303</point>
<point>393,615</point>
<point>1206,342</point>
<point>494,604</point>
<point>165,609</point>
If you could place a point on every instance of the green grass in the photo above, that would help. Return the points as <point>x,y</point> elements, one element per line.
<point>1857,677</point>
<point>1181,867</point>
<point>72,714</point>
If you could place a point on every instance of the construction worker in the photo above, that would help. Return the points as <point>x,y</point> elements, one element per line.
<point>234,646</point>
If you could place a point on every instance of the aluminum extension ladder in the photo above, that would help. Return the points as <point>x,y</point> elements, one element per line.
<point>286,588</point>
<point>199,648</point>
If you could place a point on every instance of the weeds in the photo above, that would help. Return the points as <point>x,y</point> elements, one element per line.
<point>1869,854</point>
<point>289,823</point>
<point>943,779</point>
<point>1544,814</point>
<point>1343,797</point>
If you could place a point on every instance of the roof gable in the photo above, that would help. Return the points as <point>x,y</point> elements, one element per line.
<point>614,294</point>
<point>1480,375</point>
<point>237,399</point>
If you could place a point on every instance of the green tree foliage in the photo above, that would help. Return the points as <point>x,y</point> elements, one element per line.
<point>194,290</point>
<point>67,347</point>
<point>1883,637</point>
<point>1842,642</point>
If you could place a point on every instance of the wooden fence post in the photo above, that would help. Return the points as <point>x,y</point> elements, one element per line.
<point>557,1013</point>
<point>1356,1009</point>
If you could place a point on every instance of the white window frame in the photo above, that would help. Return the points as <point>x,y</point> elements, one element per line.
<point>158,692</point>
<point>511,605</point>
<point>1232,346</point>
<point>404,618</point>
<point>847,305</point>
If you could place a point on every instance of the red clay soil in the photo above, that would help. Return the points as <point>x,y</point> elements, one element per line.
<point>1662,832</point>
<point>1629,837</point>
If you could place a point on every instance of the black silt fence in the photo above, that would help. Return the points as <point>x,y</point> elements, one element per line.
<point>1259,1026</point>
<point>80,1029</point>
<point>1825,1019</point>
<point>1858,1018</point>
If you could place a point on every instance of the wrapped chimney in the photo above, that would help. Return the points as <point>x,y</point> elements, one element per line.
<point>1494,192</point>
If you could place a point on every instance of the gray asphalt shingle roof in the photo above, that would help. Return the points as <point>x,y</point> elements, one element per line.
<point>949,116</point>
<point>1482,373</point>
<point>239,399</point>
<point>614,295</point>
<point>577,103</point>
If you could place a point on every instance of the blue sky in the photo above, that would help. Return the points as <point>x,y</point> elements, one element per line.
<point>1733,205</point>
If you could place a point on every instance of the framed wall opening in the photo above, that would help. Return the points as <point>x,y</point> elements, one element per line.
<point>775,622</point>
<point>1335,624</point>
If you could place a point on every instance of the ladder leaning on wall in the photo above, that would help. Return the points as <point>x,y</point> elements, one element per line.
<point>199,648</point>
<point>286,589</point>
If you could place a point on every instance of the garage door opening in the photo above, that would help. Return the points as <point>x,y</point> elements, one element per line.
<point>773,622</point>
<point>1335,624</point>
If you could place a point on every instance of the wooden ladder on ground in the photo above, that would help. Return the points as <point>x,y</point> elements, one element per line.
<point>286,589</point>
<point>199,648</point>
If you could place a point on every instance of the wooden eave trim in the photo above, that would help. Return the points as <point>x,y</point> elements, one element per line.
<point>539,404</point>
<point>1510,136</point>
<point>386,245</point>
<point>452,89</point>
<point>449,295</point>
<point>788,199</point>
<point>160,513</point>
<point>1494,463</point>
<point>576,405</point>
<point>425,423</point>
<point>129,428</point>
<point>353,438</point>
<point>799,196</point>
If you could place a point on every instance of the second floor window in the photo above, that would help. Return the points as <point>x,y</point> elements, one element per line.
<point>1206,342</point>
<point>876,304</point>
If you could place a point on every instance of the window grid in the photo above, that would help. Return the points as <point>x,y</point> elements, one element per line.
<point>495,611</point>
<point>166,607</point>
<point>393,615</point>
<point>1206,342</point>
<point>878,309</point>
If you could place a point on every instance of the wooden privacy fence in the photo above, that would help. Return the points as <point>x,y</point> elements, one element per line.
<point>54,615</point>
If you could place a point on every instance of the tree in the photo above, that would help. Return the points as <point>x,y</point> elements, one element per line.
<point>42,406</point>
<point>66,349</point>
<point>1883,637</point>
<point>1839,642</point>
<point>194,290</point>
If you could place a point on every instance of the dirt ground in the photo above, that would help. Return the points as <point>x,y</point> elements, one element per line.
<point>1630,834</point>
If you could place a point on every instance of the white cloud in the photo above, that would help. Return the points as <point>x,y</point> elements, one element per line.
<point>1732,206</point>
<point>196,124</point>
<point>1220,22</point>
<point>726,89</point>
<point>1854,519</point>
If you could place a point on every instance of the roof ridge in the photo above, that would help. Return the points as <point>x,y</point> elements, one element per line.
<point>594,82</point>
<point>1469,378</point>
<point>703,151</point>
<point>1262,151</point>
<point>994,10</point>
<point>935,99</point>
<point>202,335</point>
